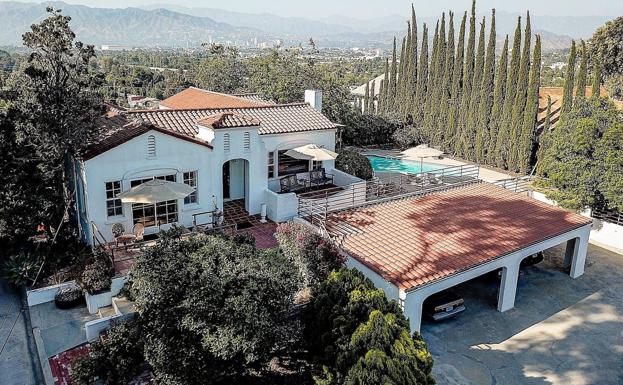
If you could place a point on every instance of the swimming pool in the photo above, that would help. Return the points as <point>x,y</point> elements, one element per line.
<point>383,164</point>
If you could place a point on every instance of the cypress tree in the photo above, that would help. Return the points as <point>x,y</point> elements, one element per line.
<point>499,94</point>
<point>391,86</point>
<point>548,115</point>
<point>401,76</point>
<point>582,73</point>
<point>567,95</point>
<point>469,132</point>
<point>446,86</point>
<point>366,98</point>
<point>596,89</point>
<point>439,87</point>
<point>379,101</point>
<point>527,140</point>
<point>430,89</point>
<point>503,136</point>
<point>422,79</point>
<point>468,78</point>
<point>372,96</point>
<point>383,96</point>
<point>519,104</point>
<point>544,138</point>
<point>486,96</point>
<point>413,66</point>
<point>406,78</point>
<point>455,97</point>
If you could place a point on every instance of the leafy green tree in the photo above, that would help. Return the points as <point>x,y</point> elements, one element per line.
<point>596,84</point>
<point>605,47</point>
<point>609,156</point>
<point>567,96</point>
<point>354,163</point>
<point>575,160</point>
<point>223,71</point>
<point>224,302</point>
<point>582,73</point>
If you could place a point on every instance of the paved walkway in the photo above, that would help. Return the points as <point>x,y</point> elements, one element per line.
<point>19,362</point>
<point>561,332</point>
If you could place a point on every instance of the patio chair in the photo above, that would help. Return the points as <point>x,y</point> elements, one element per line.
<point>291,184</point>
<point>320,177</point>
<point>118,231</point>
<point>139,232</point>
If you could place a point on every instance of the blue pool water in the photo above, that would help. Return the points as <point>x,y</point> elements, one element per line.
<point>383,164</point>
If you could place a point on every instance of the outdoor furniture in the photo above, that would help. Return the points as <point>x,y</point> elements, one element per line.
<point>118,231</point>
<point>320,177</point>
<point>139,232</point>
<point>290,183</point>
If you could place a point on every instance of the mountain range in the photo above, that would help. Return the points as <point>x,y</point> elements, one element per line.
<point>169,25</point>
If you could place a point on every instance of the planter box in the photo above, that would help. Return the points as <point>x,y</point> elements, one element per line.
<point>96,301</point>
<point>45,294</point>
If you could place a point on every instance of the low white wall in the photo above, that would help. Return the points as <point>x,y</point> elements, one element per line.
<point>97,301</point>
<point>96,327</point>
<point>340,178</point>
<point>603,234</point>
<point>281,207</point>
<point>46,294</point>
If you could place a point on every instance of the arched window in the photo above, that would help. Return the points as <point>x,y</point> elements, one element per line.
<point>151,146</point>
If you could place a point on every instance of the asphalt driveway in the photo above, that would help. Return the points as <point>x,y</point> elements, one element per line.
<point>561,332</point>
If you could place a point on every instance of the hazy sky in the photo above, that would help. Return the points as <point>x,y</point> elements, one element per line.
<point>372,8</point>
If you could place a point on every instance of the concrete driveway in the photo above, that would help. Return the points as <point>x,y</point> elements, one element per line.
<point>562,331</point>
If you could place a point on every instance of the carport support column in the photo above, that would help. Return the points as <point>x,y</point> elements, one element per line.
<point>575,254</point>
<point>508,287</point>
<point>413,310</point>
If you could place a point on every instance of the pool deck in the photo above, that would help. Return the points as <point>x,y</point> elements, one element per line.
<point>486,174</point>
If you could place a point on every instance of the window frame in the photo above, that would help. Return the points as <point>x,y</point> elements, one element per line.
<point>156,207</point>
<point>192,180</point>
<point>117,204</point>
<point>272,165</point>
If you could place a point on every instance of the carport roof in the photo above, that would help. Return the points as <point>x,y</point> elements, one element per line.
<point>414,241</point>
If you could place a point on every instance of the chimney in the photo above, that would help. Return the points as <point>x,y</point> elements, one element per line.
<point>314,98</point>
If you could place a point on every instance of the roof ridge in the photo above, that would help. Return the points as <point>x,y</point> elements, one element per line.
<point>223,94</point>
<point>258,107</point>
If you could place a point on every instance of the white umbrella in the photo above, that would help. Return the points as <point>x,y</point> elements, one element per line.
<point>311,152</point>
<point>423,151</point>
<point>156,190</point>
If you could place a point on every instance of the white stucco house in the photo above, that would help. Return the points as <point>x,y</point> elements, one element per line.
<point>235,153</point>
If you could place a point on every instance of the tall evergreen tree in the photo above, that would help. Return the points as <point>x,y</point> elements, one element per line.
<point>413,64</point>
<point>519,105</point>
<point>371,98</point>
<point>470,129</point>
<point>405,77</point>
<point>468,78</point>
<point>430,89</point>
<point>379,100</point>
<point>401,75</point>
<point>366,99</point>
<point>450,136</point>
<point>596,86</point>
<point>422,79</point>
<point>438,90</point>
<point>567,94</point>
<point>527,138</point>
<point>545,137</point>
<point>499,95</point>
<point>391,86</point>
<point>582,73</point>
<point>442,119</point>
<point>504,128</point>
<point>384,91</point>
<point>486,96</point>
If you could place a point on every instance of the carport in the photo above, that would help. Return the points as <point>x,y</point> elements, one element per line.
<point>413,247</point>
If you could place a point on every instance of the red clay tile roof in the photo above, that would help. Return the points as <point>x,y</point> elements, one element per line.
<point>275,119</point>
<point>228,120</point>
<point>197,98</point>
<point>415,241</point>
<point>116,128</point>
<point>254,97</point>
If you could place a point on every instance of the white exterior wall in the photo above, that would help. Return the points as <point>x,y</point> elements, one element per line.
<point>130,161</point>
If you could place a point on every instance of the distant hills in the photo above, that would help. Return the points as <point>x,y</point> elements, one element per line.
<point>169,25</point>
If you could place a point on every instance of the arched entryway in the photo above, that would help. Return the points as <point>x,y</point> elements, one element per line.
<point>236,182</point>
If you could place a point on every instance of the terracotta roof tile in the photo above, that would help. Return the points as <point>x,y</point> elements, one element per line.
<point>228,120</point>
<point>275,119</point>
<point>197,98</point>
<point>414,241</point>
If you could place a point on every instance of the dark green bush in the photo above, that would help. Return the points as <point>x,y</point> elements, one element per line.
<point>115,360</point>
<point>97,274</point>
<point>69,298</point>
<point>353,163</point>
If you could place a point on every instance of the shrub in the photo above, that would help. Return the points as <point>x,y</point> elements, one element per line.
<point>97,275</point>
<point>353,163</point>
<point>69,298</point>
<point>21,268</point>
<point>350,325</point>
<point>115,360</point>
<point>314,256</point>
<point>226,304</point>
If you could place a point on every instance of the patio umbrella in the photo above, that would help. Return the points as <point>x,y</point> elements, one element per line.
<point>156,190</point>
<point>423,151</point>
<point>311,152</point>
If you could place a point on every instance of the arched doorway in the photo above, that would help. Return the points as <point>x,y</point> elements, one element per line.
<point>236,181</point>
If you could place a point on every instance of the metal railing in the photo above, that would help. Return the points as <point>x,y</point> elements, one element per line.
<point>608,215</point>
<point>518,185</point>
<point>315,206</point>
